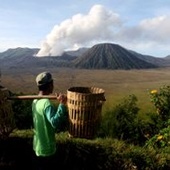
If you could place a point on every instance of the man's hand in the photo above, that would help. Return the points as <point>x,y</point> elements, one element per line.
<point>62,98</point>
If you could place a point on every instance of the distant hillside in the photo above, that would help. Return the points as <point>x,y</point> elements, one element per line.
<point>100,56</point>
<point>78,52</point>
<point>161,62</point>
<point>18,52</point>
<point>16,57</point>
<point>167,57</point>
<point>110,56</point>
<point>26,57</point>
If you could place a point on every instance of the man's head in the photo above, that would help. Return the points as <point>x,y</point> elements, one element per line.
<point>44,81</point>
<point>44,78</point>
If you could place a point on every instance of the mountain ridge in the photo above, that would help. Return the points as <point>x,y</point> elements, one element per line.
<point>99,56</point>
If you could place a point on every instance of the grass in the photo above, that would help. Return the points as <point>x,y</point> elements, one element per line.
<point>116,83</point>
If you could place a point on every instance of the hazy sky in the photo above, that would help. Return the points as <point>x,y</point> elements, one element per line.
<point>54,26</point>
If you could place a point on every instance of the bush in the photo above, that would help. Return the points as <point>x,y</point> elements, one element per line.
<point>122,122</point>
<point>22,113</point>
<point>161,101</point>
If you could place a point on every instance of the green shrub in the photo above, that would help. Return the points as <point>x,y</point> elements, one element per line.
<point>161,101</point>
<point>122,122</point>
<point>22,113</point>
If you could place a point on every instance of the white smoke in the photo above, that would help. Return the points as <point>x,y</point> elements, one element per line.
<point>98,25</point>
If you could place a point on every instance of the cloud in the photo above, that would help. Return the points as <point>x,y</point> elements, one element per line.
<point>157,29</point>
<point>99,24</point>
<point>149,34</point>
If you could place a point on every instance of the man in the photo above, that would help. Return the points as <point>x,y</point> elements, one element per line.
<point>46,121</point>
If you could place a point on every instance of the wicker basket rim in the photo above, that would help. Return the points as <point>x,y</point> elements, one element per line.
<point>77,89</point>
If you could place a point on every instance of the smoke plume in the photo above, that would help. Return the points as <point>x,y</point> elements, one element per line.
<point>81,30</point>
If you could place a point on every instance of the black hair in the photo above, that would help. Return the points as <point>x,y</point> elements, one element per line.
<point>44,87</point>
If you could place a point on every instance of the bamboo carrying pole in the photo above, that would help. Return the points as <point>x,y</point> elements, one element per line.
<point>30,97</point>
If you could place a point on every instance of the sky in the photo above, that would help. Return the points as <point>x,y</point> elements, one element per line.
<point>55,26</point>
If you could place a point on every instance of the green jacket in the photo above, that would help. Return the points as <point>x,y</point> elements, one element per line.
<point>46,120</point>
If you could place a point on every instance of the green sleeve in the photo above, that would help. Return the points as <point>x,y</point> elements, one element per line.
<point>57,118</point>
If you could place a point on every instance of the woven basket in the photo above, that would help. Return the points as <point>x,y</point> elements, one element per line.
<point>84,106</point>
